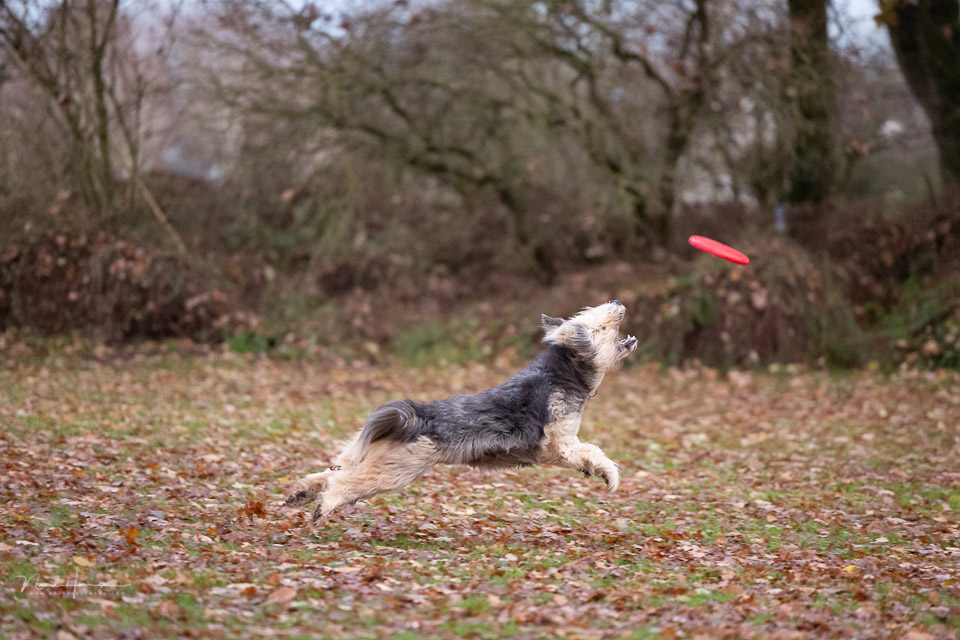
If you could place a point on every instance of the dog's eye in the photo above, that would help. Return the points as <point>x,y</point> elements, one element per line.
<point>603,327</point>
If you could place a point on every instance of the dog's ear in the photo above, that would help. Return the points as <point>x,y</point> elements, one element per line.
<point>579,339</point>
<point>569,334</point>
<point>553,329</point>
<point>548,323</point>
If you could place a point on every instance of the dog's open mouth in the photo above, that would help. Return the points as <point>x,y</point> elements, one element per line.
<point>628,343</point>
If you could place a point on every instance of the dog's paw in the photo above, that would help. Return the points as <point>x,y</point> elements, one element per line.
<point>611,475</point>
<point>299,498</point>
<point>318,518</point>
<point>304,492</point>
<point>307,489</point>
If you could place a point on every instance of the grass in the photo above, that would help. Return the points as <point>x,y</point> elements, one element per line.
<point>434,342</point>
<point>745,509</point>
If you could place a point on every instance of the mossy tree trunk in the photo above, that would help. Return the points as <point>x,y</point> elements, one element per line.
<point>926,38</point>
<point>813,90</point>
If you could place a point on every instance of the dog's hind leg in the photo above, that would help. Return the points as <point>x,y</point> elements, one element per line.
<point>387,466</point>
<point>307,489</point>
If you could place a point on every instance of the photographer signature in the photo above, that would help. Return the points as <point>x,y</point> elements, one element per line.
<point>73,587</point>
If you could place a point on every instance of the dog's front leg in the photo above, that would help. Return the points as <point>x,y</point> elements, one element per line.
<point>589,459</point>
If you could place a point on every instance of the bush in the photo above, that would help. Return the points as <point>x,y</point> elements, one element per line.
<point>861,288</point>
<point>876,258</point>
<point>925,327</point>
<point>785,307</point>
<point>111,289</point>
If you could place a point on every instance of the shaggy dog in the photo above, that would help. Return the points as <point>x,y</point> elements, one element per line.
<point>532,418</point>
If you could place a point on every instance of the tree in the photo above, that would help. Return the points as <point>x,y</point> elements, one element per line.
<point>65,50</point>
<point>413,84</point>
<point>613,80</point>
<point>475,92</point>
<point>750,122</point>
<point>813,91</point>
<point>81,62</point>
<point>926,38</point>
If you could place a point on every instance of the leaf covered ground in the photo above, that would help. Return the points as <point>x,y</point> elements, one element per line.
<point>140,497</point>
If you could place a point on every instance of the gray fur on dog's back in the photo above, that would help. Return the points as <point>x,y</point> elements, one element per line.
<point>502,426</point>
<point>532,418</point>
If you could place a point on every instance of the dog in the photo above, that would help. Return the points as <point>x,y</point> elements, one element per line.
<point>532,418</point>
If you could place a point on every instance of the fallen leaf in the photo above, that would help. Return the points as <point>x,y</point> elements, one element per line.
<point>252,509</point>
<point>282,595</point>
<point>347,569</point>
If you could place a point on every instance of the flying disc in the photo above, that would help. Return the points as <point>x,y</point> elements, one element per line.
<point>719,249</point>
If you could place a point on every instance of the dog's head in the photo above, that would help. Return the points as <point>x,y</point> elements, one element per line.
<point>593,335</point>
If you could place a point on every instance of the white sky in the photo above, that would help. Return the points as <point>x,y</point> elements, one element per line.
<point>856,19</point>
<point>852,22</point>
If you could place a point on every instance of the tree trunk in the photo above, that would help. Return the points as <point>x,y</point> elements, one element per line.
<point>815,151</point>
<point>539,252</point>
<point>926,38</point>
<point>682,119</point>
<point>98,47</point>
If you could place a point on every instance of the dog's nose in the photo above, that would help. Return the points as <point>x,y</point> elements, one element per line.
<point>616,302</point>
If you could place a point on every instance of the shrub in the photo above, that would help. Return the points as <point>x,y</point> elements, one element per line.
<point>114,290</point>
<point>786,307</point>
<point>924,329</point>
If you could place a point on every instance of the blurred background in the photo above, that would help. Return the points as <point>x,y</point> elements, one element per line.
<point>423,179</point>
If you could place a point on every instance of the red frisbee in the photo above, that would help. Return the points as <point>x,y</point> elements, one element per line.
<point>719,249</point>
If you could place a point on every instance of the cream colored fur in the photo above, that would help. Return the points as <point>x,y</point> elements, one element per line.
<point>562,448</point>
<point>387,464</point>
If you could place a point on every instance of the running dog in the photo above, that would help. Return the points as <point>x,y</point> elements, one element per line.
<point>532,418</point>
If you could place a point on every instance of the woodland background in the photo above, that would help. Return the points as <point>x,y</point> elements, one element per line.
<point>230,229</point>
<point>425,178</point>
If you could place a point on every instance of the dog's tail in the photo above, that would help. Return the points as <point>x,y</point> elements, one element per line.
<point>397,420</point>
